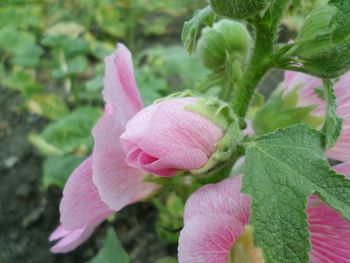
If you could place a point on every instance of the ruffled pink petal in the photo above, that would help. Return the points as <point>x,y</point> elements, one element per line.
<point>118,184</point>
<point>68,240</point>
<point>214,218</point>
<point>81,204</point>
<point>120,87</point>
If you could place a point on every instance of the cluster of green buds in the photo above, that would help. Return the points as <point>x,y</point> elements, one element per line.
<point>224,43</point>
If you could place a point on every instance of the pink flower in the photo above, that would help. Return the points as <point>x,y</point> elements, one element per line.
<point>130,142</point>
<point>216,219</point>
<point>307,96</point>
<point>104,182</point>
<point>165,138</point>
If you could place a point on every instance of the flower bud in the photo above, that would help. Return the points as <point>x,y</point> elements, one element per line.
<point>174,134</point>
<point>226,40</point>
<point>318,48</point>
<point>239,8</point>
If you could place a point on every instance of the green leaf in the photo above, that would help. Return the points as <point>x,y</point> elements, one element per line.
<point>333,124</point>
<point>21,46</point>
<point>282,169</point>
<point>77,65</point>
<point>112,251</point>
<point>21,80</point>
<point>190,29</point>
<point>58,169</point>
<point>72,133</point>
<point>50,106</point>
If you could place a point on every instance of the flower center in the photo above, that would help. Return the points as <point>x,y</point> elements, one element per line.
<point>244,251</point>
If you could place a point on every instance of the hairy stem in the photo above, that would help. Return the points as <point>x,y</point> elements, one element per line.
<point>266,29</point>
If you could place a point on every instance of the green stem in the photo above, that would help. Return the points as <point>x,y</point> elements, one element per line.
<point>258,66</point>
<point>266,30</point>
<point>75,90</point>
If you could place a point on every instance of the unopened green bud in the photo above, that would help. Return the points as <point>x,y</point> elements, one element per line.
<point>225,40</point>
<point>318,47</point>
<point>239,8</point>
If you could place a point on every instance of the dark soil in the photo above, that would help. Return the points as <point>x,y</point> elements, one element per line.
<point>28,212</point>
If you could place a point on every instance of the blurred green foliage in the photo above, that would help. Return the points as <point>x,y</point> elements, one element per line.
<point>52,54</point>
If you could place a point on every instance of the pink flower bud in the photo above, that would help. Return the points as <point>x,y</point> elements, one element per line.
<point>167,137</point>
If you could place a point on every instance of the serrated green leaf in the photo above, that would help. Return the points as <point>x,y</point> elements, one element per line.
<point>112,251</point>
<point>333,124</point>
<point>282,169</point>
<point>69,134</point>
<point>57,169</point>
<point>190,29</point>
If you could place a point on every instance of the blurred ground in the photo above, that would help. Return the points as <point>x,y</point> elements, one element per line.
<point>28,213</point>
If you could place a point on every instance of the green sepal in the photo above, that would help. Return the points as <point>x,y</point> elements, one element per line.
<point>319,46</point>
<point>333,124</point>
<point>226,148</point>
<point>281,111</point>
<point>215,110</point>
<point>190,29</point>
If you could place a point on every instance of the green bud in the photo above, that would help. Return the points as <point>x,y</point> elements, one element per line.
<point>319,48</point>
<point>226,40</point>
<point>239,8</point>
<point>228,149</point>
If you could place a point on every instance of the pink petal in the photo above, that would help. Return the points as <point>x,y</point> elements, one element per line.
<point>214,218</point>
<point>120,87</point>
<point>117,183</point>
<point>81,204</point>
<point>222,198</point>
<point>166,137</point>
<point>343,169</point>
<point>330,235</point>
<point>208,238</point>
<point>330,232</point>
<point>69,239</point>
<point>137,126</point>
<point>187,159</point>
<point>175,128</point>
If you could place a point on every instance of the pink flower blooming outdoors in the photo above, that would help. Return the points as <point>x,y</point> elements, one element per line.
<point>307,96</point>
<point>129,142</point>
<point>216,227</point>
